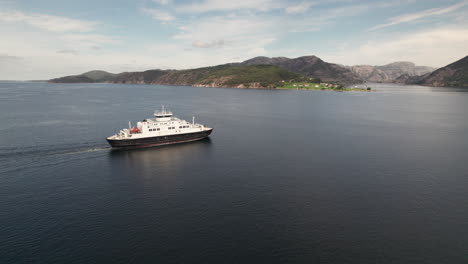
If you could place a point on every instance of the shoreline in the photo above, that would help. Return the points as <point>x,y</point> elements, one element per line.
<point>329,89</point>
<point>234,87</point>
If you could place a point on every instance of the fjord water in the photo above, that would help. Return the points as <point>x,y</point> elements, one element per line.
<point>287,176</point>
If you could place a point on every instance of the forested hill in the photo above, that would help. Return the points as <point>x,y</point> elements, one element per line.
<point>228,75</point>
<point>258,72</point>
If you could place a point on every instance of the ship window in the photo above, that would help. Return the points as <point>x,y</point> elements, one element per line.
<point>157,129</point>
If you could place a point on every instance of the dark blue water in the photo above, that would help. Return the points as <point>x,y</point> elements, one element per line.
<point>287,176</point>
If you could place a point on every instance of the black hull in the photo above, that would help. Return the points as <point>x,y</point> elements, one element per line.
<point>158,141</point>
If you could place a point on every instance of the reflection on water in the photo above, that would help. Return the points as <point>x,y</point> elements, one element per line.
<point>402,88</point>
<point>168,156</point>
<point>163,151</point>
<point>158,169</point>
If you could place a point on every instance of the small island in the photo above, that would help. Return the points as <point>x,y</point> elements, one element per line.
<point>319,86</point>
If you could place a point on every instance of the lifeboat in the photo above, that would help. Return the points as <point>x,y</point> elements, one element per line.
<point>134,130</point>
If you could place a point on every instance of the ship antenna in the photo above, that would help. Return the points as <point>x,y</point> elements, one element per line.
<point>129,124</point>
<point>193,120</point>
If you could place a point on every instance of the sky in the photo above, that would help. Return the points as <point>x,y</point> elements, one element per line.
<point>43,39</point>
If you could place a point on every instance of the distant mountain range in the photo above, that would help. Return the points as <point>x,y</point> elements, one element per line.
<point>390,72</point>
<point>265,72</point>
<point>259,72</point>
<point>239,76</point>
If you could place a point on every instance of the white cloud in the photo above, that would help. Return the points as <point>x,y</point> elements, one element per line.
<point>217,39</point>
<point>162,2</point>
<point>222,27</point>
<point>239,29</point>
<point>393,3</point>
<point>213,44</point>
<point>46,48</point>
<point>222,5</point>
<point>68,51</point>
<point>88,39</point>
<point>299,8</point>
<point>419,15</point>
<point>435,47</point>
<point>47,22</point>
<point>231,35</point>
<point>158,14</point>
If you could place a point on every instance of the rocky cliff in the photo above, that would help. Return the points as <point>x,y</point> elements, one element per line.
<point>389,73</point>
<point>453,75</point>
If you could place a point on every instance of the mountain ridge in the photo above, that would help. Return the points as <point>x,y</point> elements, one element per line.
<point>310,66</point>
<point>89,76</point>
<point>238,75</point>
<point>300,68</point>
<point>389,72</point>
<point>452,75</point>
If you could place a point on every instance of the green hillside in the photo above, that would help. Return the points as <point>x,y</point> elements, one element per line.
<point>227,75</point>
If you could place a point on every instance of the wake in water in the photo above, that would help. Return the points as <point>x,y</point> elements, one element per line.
<point>17,158</point>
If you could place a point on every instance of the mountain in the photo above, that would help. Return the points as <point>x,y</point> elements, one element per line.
<point>310,66</point>
<point>99,76</point>
<point>409,79</point>
<point>87,77</point>
<point>239,76</point>
<point>390,72</point>
<point>228,75</point>
<point>453,75</point>
<point>256,72</point>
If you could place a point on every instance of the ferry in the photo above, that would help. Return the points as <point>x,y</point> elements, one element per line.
<point>163,129</point>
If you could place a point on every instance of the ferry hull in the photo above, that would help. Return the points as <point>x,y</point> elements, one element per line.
<point>159,140</point>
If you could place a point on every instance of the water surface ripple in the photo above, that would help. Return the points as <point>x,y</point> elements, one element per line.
<point>287,176</point>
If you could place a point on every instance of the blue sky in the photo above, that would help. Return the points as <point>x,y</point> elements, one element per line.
<point>50,38</point>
